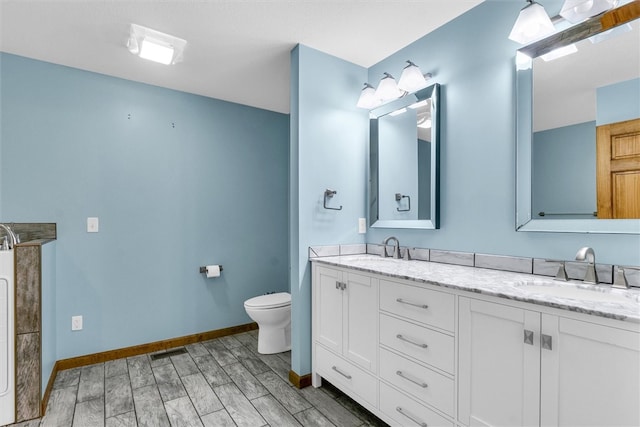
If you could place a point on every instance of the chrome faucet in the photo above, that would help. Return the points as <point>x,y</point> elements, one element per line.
<point>587,254</point>
<point>12,236</point>
<point>396,247</point>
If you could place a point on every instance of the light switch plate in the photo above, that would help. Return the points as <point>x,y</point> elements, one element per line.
<point>92,225</point>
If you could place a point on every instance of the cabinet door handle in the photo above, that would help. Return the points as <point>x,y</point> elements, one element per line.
<point>337,285</point>
<point>546,342</point>
<point>341,285</point>
<point>411,417</point>
<point>402,338</point>
<point>401,301</point>
<point>528,337</point>
<point>347,376</point>
<point>403,375</point>
<point>344,286</point>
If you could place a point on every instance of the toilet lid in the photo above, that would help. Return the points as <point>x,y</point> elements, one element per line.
<point>276,300</point>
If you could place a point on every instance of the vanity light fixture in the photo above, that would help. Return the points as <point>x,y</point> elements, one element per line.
<point>154,45</point>
<point>387,89</point>
<point>411,80</point>
<point>368,98</point>
<point>560,52</point>
<point>576,11</point>
<point>533,23</point>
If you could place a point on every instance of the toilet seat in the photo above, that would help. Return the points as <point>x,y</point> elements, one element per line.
<point>269,301</point>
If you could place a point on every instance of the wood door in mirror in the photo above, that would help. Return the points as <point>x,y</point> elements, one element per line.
<point>618,170</point>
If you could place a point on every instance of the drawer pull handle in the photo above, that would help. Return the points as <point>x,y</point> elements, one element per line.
<point>411,417</point>
<point>402,375</point>
<point>401,301</point>
<point>347,376</point>
<point>402,338</point>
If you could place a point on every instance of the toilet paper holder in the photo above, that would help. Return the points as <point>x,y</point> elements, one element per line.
<point>204,269</point>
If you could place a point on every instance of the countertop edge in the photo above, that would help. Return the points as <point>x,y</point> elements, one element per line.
<point>506,293</point>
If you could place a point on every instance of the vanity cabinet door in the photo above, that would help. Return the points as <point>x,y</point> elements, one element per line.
<point>328,308</point>
<point>360,341</point>
<point>499,373</point>
<point>346,315</point>
<point>590,374</point>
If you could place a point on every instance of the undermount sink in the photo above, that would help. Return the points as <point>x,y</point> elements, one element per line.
<point>583,292</point>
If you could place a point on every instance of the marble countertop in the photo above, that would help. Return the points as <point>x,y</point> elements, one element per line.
<point>597,300</point>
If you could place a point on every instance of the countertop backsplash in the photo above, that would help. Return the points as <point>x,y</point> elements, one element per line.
<point>538,266</point>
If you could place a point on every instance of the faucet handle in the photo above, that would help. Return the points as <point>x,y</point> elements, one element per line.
<point>562,272</point>
<point>620,279</point>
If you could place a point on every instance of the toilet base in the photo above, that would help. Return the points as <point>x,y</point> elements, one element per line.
<point>274,340</point>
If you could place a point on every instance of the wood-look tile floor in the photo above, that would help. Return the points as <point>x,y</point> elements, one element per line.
<point>221,382</point>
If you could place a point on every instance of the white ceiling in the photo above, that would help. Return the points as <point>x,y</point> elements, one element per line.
<point>237,50</point>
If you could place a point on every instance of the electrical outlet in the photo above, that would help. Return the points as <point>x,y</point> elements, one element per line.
<point>362,225</point>
<point>76,323</point>
<point>92,225</point>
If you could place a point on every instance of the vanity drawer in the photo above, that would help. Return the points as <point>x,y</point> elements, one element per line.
<point>426,385</point>
<point>410,339</point>
<point>345,375</point>
<point>409,301</point>
<point>407,412</point>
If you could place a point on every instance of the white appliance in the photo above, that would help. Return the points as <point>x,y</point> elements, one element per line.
<point>7,334</point>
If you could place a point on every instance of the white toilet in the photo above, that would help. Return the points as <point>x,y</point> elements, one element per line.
<point>272,313</point>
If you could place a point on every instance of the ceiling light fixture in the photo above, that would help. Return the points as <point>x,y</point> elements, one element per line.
<point>576,11</point>
<point>154,45</point>
<point>533,23</point>
<point>411,80</point>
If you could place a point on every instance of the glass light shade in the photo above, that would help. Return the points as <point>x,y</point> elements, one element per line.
<point>576,11</point>
<point>533,23</point>
<point>367,98</point>
<point>387,89</point>
<point>412,78</point>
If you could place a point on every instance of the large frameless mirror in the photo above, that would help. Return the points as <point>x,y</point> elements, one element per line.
<point>578,131</point>
<point>404,147</point>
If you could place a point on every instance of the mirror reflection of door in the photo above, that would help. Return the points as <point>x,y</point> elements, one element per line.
<point>618,170</point>
<point>577,97</point>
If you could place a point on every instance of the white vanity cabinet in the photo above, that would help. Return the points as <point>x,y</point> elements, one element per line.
<point>417,353</point>
<point>420,354</point>
<point>345,319</point>
<point>525,367</point>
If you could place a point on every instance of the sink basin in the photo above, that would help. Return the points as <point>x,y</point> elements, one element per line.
<point>580,292</point>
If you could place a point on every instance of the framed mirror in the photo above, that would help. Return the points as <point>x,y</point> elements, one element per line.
<point>403,161</point>
<point>578,130</point>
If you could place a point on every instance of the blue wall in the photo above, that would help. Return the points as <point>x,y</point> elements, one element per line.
<point>564,171</point>
<point>474,61</point>
<point>618,102</point>
<point>328,150</point>
<point>177,180</point>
